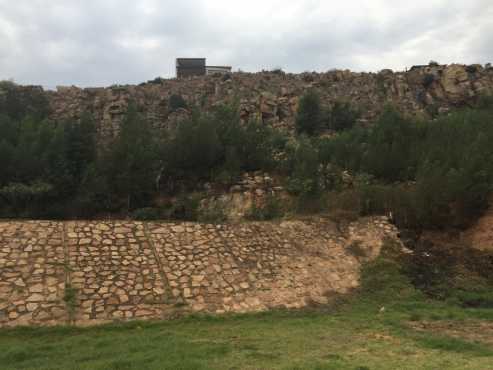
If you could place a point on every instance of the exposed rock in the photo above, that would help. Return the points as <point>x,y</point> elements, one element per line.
<point>456,84</point>
<point>273,98</point>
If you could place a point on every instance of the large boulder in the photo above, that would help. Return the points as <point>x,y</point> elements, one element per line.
<point>456,84</point>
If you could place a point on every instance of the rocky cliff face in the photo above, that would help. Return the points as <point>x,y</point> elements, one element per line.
<point>273,97</point>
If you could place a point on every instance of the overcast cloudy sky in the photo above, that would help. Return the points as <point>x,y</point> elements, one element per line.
<point>101,42</point>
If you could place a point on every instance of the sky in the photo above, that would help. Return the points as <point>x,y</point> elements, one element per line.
<point>104,42</point>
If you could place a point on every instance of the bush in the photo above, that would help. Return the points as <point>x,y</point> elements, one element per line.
<point>304,169</point>
<point>21,196</point>
<point>186,207</point>
<point>271,209</point>
<point>176,102</point>
<point>156,81</point>
<point>342,116</point>
<point>147,214</point>
<point>428,79</point>
<point>212,213</point>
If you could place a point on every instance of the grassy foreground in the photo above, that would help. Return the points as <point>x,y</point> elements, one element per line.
<point>387,325</point>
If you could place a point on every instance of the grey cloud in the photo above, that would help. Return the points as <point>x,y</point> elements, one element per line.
<point>101,42</point>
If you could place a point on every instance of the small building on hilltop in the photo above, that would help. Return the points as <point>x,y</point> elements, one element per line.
<point>187,67</point>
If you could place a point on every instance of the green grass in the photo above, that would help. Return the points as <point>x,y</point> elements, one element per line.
<point>366,331</point>
<point>356,336</point>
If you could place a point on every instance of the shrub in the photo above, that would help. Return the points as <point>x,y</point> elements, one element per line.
<point>70,299</point>
<point>156,81</point>
<point>176,102</point>
<point>428,79</point>
<point>342,116</point>
<point>186,207</point>
<point>304,169</point>
<point>22,193</point>
<point>214,213</point>
<point>271,209</point>
<point>147,214</point>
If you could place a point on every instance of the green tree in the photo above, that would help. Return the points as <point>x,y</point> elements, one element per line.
<point>342,116</point>
<point>253,142</point>
<point>131,167</point>
<point>18,102</point>
<point>194,150</point>
<point>6,162</point>
<point>29,151</point>
<point>8,129</point>
<point>392,148</point>
<point>309,115</point>
<point>81,145</point>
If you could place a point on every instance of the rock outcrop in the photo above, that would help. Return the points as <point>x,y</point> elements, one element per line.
<point>273,97</point>
<point>93,272</point>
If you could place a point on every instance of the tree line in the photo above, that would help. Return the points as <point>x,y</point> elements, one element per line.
<point>60,170</point>
<point>426,173</point>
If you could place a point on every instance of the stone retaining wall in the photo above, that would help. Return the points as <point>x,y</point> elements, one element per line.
<point>93,272</point>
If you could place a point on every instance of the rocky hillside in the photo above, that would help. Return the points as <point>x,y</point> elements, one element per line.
<point>273,96</point>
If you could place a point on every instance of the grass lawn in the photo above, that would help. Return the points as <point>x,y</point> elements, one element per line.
<point>357,336</point>
<point>357,333</point>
